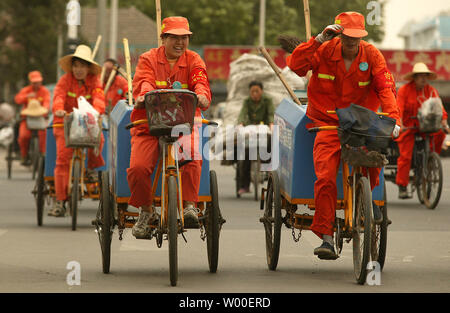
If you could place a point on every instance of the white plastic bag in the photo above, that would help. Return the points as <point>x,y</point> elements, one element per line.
<point>430,115</point>
<point>84,128</point>
<point>6,136</point>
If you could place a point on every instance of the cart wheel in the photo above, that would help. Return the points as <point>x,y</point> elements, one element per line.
<point>379,235</point>
<point>76,172</point>
<point>272,221</point>
<point>256,177</point>
<point>362,229</point>
<point>9,159</point>
<point>34,155</point>
<point>432,182</point>
<point>213,224</point>
<point>105,223</point>
<point>172,231</point>
<point>40,190</point>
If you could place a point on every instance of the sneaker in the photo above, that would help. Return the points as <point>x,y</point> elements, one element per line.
<point>402,192</point>
<point>25,161</point>
<point>58,209</point>
<point>190,214</point>
<point>325,252</point>
<point>377,215</point>
<point>142,229</point>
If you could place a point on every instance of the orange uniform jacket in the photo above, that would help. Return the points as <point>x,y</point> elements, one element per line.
<point>154,72</point>
<point>117,91</point>
<point>67,90</point>
<point>367,83</point>
<point>409,101</point>
<point>43,96</point>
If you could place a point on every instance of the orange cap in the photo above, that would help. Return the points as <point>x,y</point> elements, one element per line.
<point>35,77</point>
<point>353,23</point>
<point>176,25</point>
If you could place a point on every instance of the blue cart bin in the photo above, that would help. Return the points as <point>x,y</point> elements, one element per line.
<point>119,156</point>
<point>296,166</point>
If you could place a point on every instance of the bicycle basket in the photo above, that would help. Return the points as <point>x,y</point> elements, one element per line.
<point>429,115</point>
<point>36,122</point>
<point>167,108</point>
<point>357,156</point>
<point>82,130</point>
<point>360,126</point>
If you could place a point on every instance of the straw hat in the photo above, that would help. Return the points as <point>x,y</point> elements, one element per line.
<point>82,52</point>
<point>420,68</point>
<point>34,108</point>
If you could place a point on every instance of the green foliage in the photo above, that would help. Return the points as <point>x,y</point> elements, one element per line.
<point>31,29</point>
<point>236,22</point>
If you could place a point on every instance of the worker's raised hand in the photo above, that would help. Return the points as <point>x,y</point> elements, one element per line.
<point>329,33</point>
<point>140,102</point>
<point>203,102</point>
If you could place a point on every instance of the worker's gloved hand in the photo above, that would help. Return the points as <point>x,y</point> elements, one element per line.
<point>329,33</point>
<point>396,131</point>
<point>202,101</point>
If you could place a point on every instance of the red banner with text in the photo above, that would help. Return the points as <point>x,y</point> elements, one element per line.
<point>399,62</point>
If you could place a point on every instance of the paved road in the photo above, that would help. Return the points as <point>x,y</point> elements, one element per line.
<point>34,259</point>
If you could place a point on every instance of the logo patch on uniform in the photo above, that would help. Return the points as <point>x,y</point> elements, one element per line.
<point>177,85</point>
<point>120,91</point>
<point>363,66</point>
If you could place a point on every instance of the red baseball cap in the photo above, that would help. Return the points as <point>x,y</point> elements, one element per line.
<point>35,77</point>
<point>353,23</point>
<point>176,25</point>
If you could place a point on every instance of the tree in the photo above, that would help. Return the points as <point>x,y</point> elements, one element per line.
<point>29,38</point>
<point>236,22</point>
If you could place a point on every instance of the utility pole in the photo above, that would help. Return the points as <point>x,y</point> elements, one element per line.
<point>113,29</point>
<point>262,22</point>
<point>101,28</point>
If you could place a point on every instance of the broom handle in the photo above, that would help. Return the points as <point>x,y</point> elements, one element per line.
<point>128,64</point>
<point>280,76</point>
<point>158,21</point>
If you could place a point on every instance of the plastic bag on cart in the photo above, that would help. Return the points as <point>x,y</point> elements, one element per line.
<point>430,115</point>
<point>84,127</point>
<point>6,135</point>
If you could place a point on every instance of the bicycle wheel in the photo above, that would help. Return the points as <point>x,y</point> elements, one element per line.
<point>34,155</point>
<point>76,173</point>
<point>362,229</point>
<point>256,177</point>
<point>213,224</point>
<point>9,159</point>
<point>379,235</point>
<point>172,231</point>
<point>272,221</point>
<point>432,181</point>
<point>40,190</point>
<point>105,222</point>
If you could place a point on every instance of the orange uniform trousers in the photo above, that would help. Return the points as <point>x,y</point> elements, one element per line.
<point>63,157</point>
<point>327,158</point>
<point>145,152</point>
<point>25,137</point>
<point>406,147</point>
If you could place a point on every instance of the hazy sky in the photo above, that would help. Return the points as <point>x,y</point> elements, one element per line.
<point>399,12</point>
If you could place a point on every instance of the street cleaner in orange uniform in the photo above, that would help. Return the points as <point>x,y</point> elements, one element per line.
<point>161,68</point>
<point>345,70</point>
<point>410,98</point>
<point>81,79</point>
<point>117,90</point>
<point>37,92</point>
